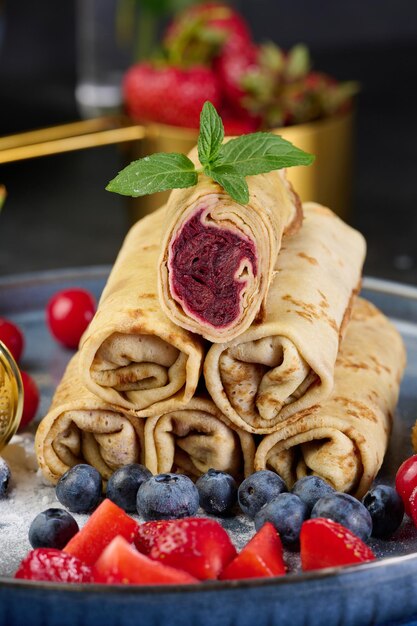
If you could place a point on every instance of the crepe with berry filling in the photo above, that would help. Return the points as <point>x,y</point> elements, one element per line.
<point>344,439</point>
<point>218,256</point>
<point>194,439</point>
<point>81,428</point>
<point>286,363</point>
<point>132,356</point>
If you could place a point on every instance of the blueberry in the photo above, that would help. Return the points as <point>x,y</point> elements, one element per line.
<point>287,513</point>
<point>52,528</point>
<point>79,489</point>
<point>217,491</point>
<point>310,489</point>
<point>258,489</point>
<point>386,509</point>
<point>123,485</point>
<point>167,496</point>
<point>348,511</point>
<point>5,476</point>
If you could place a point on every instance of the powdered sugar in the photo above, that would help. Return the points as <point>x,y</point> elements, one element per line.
<point>29,494</point>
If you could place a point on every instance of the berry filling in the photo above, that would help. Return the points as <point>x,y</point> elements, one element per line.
<point>209,267</point>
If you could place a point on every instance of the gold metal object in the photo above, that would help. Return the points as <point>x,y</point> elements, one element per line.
<point>327,181</point>
<point>11,396</point>
<point>101,131</point>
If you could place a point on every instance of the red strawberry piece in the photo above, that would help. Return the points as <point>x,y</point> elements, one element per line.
<point>107,521</point>
<point>261,557</point>
<point>54,565</point>
<point>122,563</point>
<point>324,543</point>
<point>199,546</point>
<point>169,95</point>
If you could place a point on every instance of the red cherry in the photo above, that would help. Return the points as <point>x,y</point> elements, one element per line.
<point>68,314</point>
<point>12,337</point>
<point>406,481</point>
<point>30,399</point>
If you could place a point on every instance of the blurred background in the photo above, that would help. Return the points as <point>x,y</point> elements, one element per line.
<point>57,213</point>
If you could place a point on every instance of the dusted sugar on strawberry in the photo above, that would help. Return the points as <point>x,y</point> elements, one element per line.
<point>324,543</point>
<point>107,521</point>
<point>49,564</point>
<point>208,266</point>
<point>200,546</point>
<point>121,563</point>
<point>261,557</point>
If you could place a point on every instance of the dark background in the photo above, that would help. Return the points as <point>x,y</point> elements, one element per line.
<point>57,213</point>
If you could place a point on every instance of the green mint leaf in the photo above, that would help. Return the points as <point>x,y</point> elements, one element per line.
<point>231,180</point>
<point>259,153</point>
<point>211,134</point>
<point>157,172</point>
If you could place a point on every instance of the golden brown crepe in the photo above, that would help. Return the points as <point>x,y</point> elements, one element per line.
<point>286,363</point>
<point>194,439</point>
<point>218,256</point>
<point>344,438</point>
<point>132,356</point>
<point>81,428</point>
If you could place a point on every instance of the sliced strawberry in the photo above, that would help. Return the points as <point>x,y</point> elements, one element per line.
<point>261,557</point>
<point>107,521</point>
<point>199,546</point>
<point>169,95</point>
<point>325,543</point>
<point>54,565</point>
<point>122,563</point>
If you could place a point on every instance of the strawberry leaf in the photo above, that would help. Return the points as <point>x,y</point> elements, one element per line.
<point>259,153</point>
<point>231,180</point>
<point>211,134</point>
<point>2,196</point>
<point>157,172</point>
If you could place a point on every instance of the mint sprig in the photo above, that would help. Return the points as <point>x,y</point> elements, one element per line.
<point>228,164</point>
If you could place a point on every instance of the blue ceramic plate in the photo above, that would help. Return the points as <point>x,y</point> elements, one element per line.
<point>384,591</point>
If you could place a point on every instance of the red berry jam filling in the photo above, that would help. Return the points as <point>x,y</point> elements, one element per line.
<point>208,266</point>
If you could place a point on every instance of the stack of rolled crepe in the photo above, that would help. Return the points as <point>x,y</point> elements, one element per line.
<point>134,363</point>
<point>276,385</point>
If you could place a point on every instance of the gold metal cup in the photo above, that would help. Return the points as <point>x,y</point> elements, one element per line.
<point>11,396</point>
<point>328,181</point>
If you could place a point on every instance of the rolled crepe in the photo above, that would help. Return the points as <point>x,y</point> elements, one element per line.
<point>218,256</point>
<point>132,356</point>
<point>81,428</point>
<point>344,439</point>
<point>286,363</point>
<point>194,439</point>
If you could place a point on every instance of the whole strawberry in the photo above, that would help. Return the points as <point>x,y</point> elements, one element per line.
<point>200,32</point>
<point>232,66</point>
<point>49,564</point>
<point>169,95</point>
